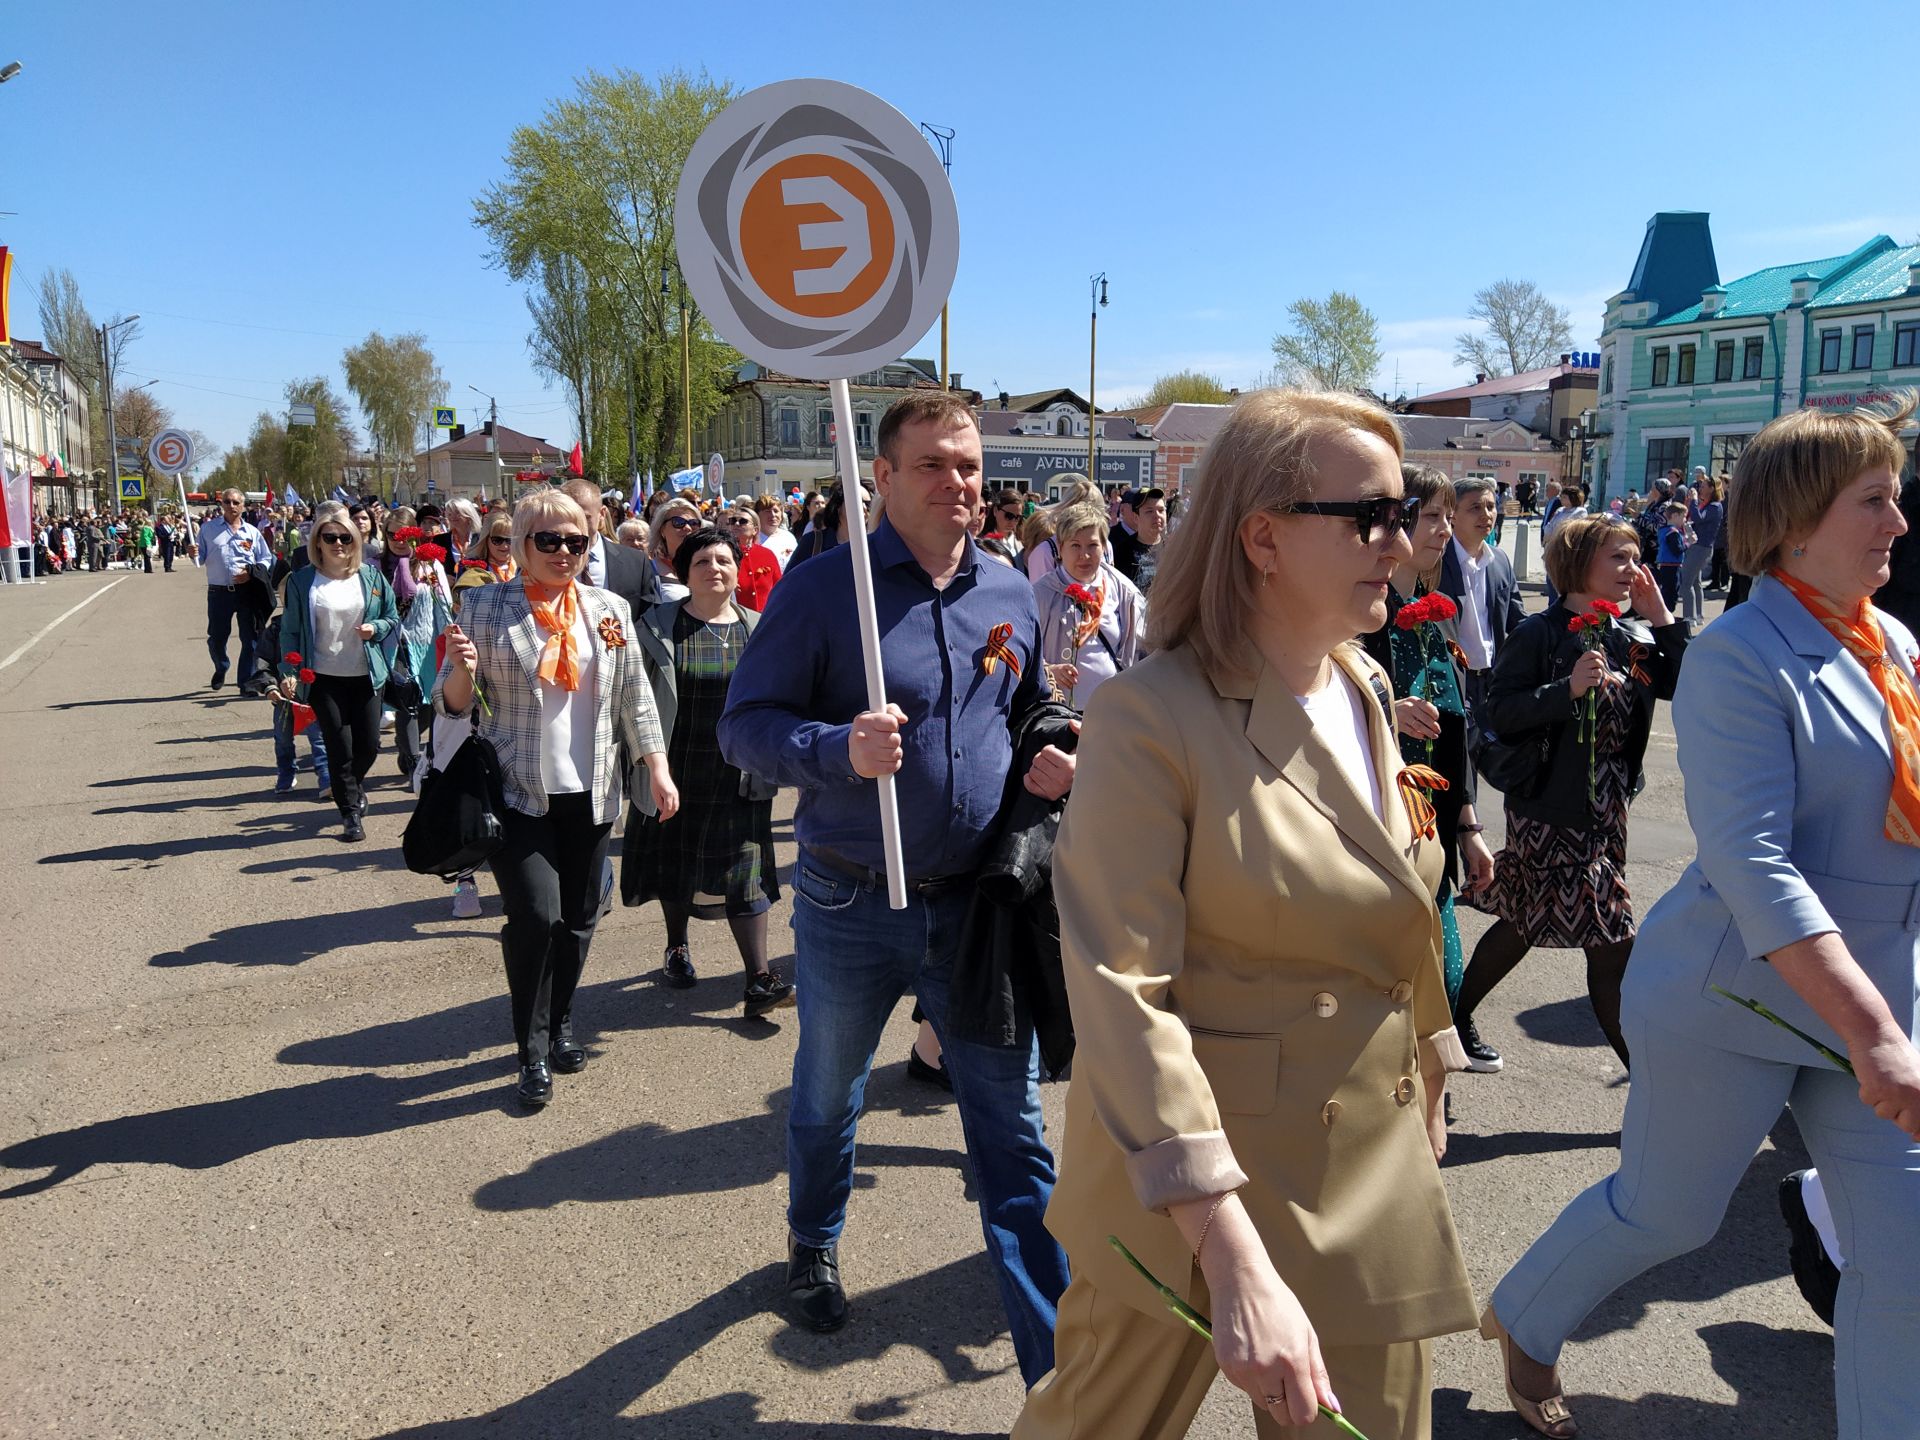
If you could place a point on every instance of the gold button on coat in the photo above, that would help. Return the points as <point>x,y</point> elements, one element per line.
<point>1402,992</point>
<point>1405,1090</point>
<point>1325,1005</point>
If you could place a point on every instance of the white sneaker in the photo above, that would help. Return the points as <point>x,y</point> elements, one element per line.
<point>466,900</point>
<point>386,719</point>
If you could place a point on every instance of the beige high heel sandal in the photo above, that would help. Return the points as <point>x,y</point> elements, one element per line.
<point>1551,1417</point>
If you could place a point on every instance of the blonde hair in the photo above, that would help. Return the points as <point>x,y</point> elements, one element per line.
<point>1575,543</point>
<point>1792,471</point>
<point>1261,459</point>
<point>1077,515</point>
<point>397,517</point>
<point>540,509</point>
<point>332,512</point>
<point>657,537</point>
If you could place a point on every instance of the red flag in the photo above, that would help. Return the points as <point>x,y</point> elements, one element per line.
<point>575,464</point>
<point>268,502</point>
<point>302,717</point>
<point>16,507</point>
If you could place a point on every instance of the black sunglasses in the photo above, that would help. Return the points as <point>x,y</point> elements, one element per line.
<point>683,522</point>
<point>741,520</point>
<point>334,537</point>
<point>1387,513</point>
<point>499,539</point>
<point>548,542</point>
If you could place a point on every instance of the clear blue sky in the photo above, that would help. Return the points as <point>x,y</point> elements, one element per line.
<point>266,183</point>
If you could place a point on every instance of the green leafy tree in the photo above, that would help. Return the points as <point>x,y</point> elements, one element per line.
<point>584,216</point>
<point>1524,330</point>
<point>313,457</point>
<point>1334,342</point>
<point>396,382</point>
<point>1191,387</point>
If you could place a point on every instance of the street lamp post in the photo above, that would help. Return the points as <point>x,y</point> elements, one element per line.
<point>493,442</point>
<point>113,433</point>
<point>942,138</point>
<point>1095,304</point>
<point>686,361</point>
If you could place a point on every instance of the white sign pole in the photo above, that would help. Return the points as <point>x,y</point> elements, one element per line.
<point>854,495</point>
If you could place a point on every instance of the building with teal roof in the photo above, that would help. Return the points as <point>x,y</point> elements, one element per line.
<point>1691,368</point>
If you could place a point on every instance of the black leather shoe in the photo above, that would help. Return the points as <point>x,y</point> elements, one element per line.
<point>536,1085</point>
<point>566,1056</point>
<point>814,1296</point>
<point>1813,1271</point>
<point>679,968</point>
<point>1482,1058</point>
<point>353,830</point>
<point>767,992</point>
<point>219,679</point>
<point>918,1069</point>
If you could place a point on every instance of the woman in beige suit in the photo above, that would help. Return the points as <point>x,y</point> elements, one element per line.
<point>1262,1019</point>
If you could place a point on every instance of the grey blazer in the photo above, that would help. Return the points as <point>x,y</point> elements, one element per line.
<point>656,650</point>
<point>499,621</point>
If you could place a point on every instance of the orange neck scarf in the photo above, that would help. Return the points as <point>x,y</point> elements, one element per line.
<point>557,611</point>
<point>1863,639</point>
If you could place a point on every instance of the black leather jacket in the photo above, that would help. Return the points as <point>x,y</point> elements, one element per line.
<point>1530,688</point>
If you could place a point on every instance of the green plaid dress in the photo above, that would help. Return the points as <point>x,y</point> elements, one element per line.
<point>716,855</point>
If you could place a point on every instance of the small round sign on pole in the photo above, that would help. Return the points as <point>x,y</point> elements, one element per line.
<point>817,231</point>
<point>171,452</point>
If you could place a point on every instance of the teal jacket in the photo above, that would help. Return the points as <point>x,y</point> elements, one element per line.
<point>296,623</point>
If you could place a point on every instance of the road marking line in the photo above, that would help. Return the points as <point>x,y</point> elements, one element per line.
<point>45,630</point>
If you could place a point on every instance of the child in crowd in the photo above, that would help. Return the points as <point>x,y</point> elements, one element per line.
<point>1674,538</point>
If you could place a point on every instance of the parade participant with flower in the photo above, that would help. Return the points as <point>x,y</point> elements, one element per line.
<point>339,610</point>
<point>1092,618</point>
<point>1583,693</point>
<point>423,599</point>
<point>562,697</point>
<point>1419,647</point>
<point>1239,879</point>
<point>1799,733</point>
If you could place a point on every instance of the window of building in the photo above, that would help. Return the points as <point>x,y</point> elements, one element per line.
<point>1906,343</point>
<point>1661,358</point>
<point>1750,360</point>
<point>1606,375</point>
<point>823,427</point>
<point>863,429</point>
<point>789,421</point>
<point>1665,455</point>
<point>1723,360</point>
<point>1725,451</point>
<point>1685,377</point>
<point>1863,347</point>
<point>1829,351</point>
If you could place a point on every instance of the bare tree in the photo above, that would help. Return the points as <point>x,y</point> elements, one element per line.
<point>1335,342</point>
<point>1525,330</point>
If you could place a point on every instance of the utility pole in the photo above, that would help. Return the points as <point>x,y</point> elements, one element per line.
<point>942,138</point>
<point>493,442</point>
<point>686,363</point>
<point>1099,298</point>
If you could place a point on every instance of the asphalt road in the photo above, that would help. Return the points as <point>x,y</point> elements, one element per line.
<point>260,1174</point>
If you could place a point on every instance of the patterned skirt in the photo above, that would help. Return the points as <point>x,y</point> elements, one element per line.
<point>1562,888</point>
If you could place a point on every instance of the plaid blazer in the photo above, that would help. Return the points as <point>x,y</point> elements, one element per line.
<point>499,621</point>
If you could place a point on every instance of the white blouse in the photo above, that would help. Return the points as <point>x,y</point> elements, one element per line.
<point>567,720</point>
<point>1337,710</point>
<point>335,610</point>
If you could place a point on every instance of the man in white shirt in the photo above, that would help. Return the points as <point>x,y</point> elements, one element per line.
<point>232,550</point>
<point>1477,575</point>
<point>773,530</point>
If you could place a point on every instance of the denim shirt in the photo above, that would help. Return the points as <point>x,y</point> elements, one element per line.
<point>801,681</point>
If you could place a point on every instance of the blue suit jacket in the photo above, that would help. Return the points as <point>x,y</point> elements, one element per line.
<point>1783,744</point>
<point>1504,612</point>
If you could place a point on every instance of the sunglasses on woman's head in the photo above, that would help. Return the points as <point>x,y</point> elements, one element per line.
<point>548,542</point>
<point>334,537</point>
<point>1376,519</point>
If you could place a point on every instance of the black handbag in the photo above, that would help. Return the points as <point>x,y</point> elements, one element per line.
<point>1515,765</point>
<point>455,825</point>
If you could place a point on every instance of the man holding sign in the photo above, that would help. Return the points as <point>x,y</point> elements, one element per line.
<point>961,654</point>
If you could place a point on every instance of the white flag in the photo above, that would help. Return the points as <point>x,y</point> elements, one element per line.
<point>16,515</point>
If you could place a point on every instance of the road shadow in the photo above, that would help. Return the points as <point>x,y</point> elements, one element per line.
<point>262,733</point>
<point>129,700</point>
<point>1566,1022</point>
<point>943,1313</point>
<point>296,940</point>
<point>1466,1148</point>
<point>184,777</point>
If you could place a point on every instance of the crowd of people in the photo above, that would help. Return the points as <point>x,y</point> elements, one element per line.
<point>98,540</point>
<point>1205,790</point>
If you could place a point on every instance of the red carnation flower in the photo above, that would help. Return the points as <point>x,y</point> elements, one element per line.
<point>1577,624</point>
<point>407,534</point>
<point>433,554</point>
<point>294,657</point>
<point>1607,607</point>
<point>1442,606</point>
<point>1409,616</point>
<point>306,677</point>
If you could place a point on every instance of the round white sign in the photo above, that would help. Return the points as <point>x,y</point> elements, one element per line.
<point>817,229</point>
<point>171,452</point>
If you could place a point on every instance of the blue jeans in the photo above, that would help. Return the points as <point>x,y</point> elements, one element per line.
<point>854,959</point>
<point>284,746</point>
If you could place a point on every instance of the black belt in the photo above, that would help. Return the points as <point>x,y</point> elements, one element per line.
<point>241,586</point>
<point>877,879</point>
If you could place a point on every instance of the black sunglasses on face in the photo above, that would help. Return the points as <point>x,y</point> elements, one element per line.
<point>548,542</point>
<point>1376,519</point>
<point>683,522</point>
<point>334,537</point>
<point>499,539</point>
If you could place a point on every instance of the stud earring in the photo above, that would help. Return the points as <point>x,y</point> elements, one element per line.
<point>1798,551</point>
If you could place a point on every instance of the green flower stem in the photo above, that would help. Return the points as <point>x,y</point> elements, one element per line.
<point>1199,1324</point>
<point>1765,1014</point>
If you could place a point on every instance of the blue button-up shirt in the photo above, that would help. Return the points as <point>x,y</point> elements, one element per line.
<point>801,681</point>
<point>225,548</point>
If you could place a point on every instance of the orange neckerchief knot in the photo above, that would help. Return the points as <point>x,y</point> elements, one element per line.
<point>1861,636</point>
<point>999,651</point>
<point>1415,782</point>
<point>557,611</point>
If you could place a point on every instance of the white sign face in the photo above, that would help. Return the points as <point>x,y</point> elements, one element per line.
<point>816,229</point>
<point>171,452</point>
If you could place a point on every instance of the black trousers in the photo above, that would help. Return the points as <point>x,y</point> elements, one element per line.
<point>548,869</point>
<point>348,713</point>
<point>225,606</point>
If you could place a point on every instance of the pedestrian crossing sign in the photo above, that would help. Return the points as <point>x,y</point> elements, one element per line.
<point>443,418</point>
<point>133,487</point>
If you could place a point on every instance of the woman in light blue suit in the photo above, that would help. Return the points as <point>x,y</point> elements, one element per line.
<point>1802,768</point>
